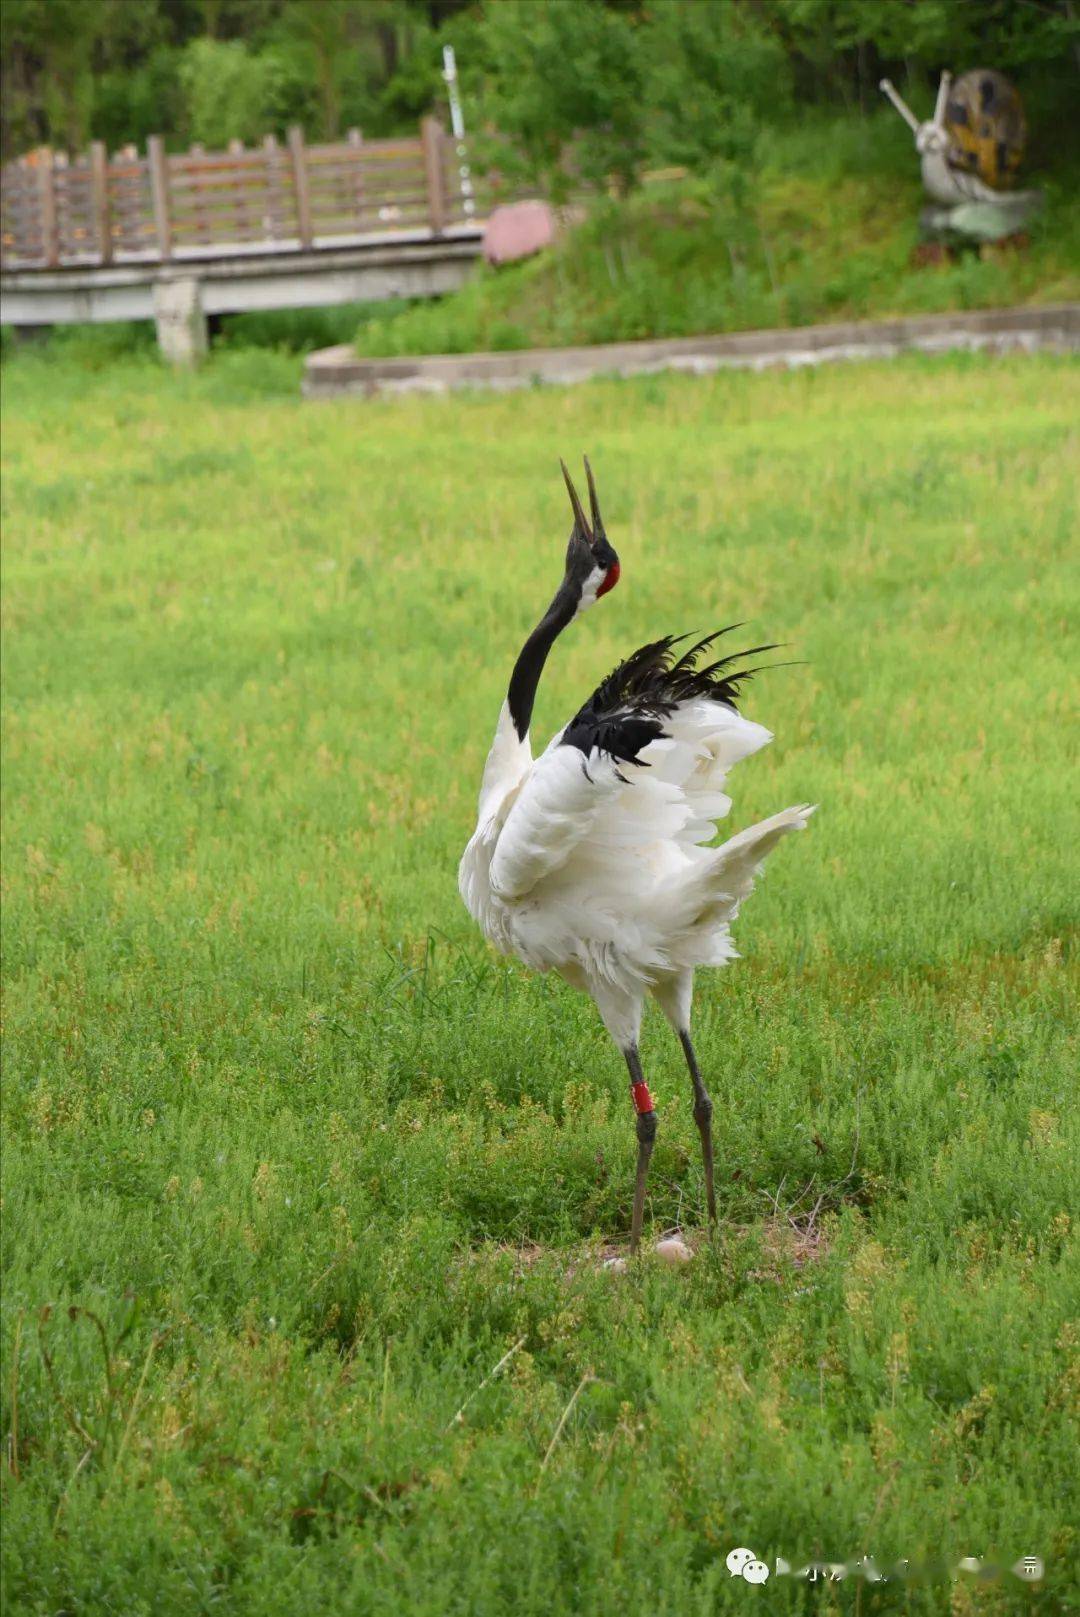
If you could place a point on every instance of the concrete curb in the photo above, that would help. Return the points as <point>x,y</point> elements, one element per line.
<point>333,371</point>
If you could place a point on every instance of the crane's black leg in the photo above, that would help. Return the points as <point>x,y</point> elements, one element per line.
<point>646,1136</point>
<point>703,1119</point>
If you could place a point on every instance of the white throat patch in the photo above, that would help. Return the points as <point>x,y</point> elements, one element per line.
<point>589,591</point>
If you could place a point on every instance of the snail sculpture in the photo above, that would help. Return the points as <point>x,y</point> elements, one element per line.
<point>970,150</point>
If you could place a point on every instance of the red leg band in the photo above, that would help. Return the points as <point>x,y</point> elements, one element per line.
<point>643,1101</point>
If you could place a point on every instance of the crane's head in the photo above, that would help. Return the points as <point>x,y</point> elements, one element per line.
<point>592,567</point>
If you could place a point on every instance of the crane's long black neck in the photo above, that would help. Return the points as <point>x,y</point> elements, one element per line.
<point>534,654</point>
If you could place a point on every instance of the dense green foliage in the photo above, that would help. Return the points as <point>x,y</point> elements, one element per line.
<point>588,87</point>
<point>295,1162</point>
<point>829,231</point>
<point>583,90</point>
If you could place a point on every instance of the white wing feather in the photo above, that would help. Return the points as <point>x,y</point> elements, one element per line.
<point>555,810</point>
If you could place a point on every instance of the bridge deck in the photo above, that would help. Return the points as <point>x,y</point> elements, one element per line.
<point>361,271</point>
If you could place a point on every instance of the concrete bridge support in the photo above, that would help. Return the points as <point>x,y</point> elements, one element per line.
<point>180,320</point>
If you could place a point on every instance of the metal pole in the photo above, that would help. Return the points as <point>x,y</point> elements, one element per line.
<point>457,124</point>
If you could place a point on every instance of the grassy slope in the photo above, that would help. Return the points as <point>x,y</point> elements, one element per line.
<point>273,1110</point>
<point>828,233</point>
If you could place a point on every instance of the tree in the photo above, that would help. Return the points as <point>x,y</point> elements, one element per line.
<point>716,74</point>
<point>229,92</point>
<point>564,86</point>
<point>55,55</point>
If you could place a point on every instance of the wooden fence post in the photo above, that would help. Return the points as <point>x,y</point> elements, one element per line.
<point>240,211</point>
<point>300,186</point>
<point>50,235</point>
<point>159,192</point>
<point>431,138</point>
<point>197,149</point>
<point>99,181</point>
<point>356,141</point>
<point>273,187</point>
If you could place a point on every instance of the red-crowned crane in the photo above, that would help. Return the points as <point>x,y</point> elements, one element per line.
<point>592,860</point>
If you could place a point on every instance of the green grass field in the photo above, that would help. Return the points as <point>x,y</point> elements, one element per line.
<point>291,1162</point>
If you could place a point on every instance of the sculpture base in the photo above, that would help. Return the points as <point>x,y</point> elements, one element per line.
<point>980,222</point>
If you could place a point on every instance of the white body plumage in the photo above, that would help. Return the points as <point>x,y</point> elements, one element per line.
<point>603,875</point>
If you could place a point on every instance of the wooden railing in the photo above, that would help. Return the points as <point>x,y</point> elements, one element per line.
<point>162,206</point>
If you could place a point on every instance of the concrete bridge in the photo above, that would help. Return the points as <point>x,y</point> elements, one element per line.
<point>176,238</point>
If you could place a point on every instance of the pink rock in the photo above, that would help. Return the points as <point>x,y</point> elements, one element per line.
<point>517,231</point>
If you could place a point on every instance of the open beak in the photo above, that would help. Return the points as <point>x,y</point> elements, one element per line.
<point>583,532</point>
<point>581,526</point>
